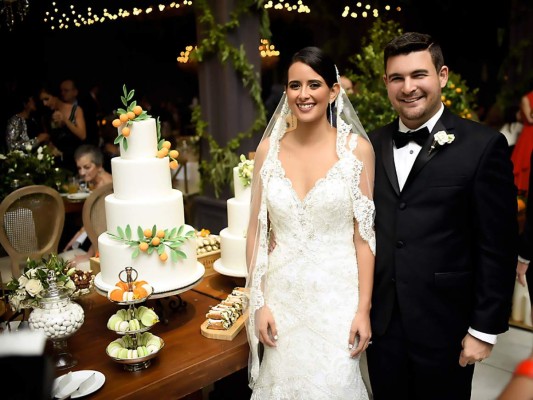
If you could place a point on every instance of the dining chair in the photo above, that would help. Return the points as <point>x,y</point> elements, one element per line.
<point>31,224</point>
<point>93,213</point>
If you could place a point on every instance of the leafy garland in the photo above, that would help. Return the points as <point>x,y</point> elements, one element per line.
<point>218,170</point>
<point>151,240</point>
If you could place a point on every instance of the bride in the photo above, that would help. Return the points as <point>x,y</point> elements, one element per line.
<point>310,242</point>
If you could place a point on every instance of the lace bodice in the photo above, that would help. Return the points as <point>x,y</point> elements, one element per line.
<point>311,283</point>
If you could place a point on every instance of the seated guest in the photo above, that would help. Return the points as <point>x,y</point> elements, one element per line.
<point>89,160</point>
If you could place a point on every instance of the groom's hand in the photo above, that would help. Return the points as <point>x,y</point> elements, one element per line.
<point>474,350</point>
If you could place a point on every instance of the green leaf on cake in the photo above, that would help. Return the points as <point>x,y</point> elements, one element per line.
<point>173,240</point>
<point>177,255</point>
<point>128,232</point>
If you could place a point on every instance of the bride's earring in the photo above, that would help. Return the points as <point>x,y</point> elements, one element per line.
<point>330,115</point>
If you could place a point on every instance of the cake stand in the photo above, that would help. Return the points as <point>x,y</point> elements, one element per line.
<point>221,269</point>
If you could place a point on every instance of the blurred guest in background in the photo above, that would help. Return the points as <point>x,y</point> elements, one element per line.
<point>71,94</point>
<point>22,128</point>
<point>524,146</point>
<point>512,125</point>
<point>90,160</point>
<point>66,126</point>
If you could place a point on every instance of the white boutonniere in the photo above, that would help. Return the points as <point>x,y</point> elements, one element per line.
<point>441,138</point>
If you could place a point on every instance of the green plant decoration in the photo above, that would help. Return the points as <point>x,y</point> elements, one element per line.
<point>219,168</point>
<point>370,98</point>
<point>155,240</point>
<point>121,138</point>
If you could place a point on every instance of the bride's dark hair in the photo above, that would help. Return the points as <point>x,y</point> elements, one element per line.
<point>319,61</point>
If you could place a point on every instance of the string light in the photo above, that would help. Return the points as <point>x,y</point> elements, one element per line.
<point>364,10</point>
<point>65,18</point>
<point>57,18</point>
<point>12,11</point>
<point>267,51</point>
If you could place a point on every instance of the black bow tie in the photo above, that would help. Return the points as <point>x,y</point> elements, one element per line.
<point>402,138</point>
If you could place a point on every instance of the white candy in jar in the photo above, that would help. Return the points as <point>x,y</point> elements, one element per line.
<point>57,321</point>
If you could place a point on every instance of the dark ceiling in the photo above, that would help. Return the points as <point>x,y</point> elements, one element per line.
<point>144,49</point>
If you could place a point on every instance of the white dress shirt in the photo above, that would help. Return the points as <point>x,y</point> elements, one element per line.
<point>404,159</point>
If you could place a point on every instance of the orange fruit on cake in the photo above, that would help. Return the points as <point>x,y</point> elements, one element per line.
<point>174,153</point>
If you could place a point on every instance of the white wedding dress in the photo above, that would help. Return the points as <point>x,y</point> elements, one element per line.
<point>312,283</point>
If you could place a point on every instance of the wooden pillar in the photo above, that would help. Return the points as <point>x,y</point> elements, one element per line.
<point>226,104</point>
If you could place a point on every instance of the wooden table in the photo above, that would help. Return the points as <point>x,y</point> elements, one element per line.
<point>186,364</point>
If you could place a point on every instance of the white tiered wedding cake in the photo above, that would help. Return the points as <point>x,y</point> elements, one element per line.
<point>232,261</point>
<point>145,219</point>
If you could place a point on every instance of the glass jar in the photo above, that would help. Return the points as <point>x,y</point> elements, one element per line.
<point>58,318</point>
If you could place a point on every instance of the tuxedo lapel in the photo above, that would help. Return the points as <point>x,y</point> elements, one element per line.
<point>388,161</point>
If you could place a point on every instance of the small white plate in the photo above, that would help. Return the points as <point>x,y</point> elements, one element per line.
<point>79,375</point>
<point>219,267</point>
<point>78,196</point>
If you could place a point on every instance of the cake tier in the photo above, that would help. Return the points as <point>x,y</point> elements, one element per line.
<point>142,141</point>
<point>238,216</point>
<point>147,178</point>
<point>162,275</point>
<point>233,252</point>
<point>241,193</point>
<point>164,212</point>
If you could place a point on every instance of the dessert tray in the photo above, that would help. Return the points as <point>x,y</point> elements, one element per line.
<point>137,347</point>
<point>226,319</point>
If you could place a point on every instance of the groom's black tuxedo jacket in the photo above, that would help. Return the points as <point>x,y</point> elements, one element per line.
<point>446,243</point>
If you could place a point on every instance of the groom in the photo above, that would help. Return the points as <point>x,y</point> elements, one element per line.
<point>446,230</point>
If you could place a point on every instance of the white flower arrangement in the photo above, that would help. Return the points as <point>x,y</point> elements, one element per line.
<point>441,138</point>
<point>29,287</point>
<point>246,170</point>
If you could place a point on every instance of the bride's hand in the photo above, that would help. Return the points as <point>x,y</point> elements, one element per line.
<point>360,334</point>
<point>268,333</point>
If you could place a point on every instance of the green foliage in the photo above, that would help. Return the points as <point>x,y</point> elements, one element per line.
<point>170,240</point>
<point>218,170</point>
<point>29,166</point>
<point>126,97</point>
<point>370,97</point>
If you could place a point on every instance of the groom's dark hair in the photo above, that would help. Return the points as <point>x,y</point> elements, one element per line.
<point>411,42</point>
